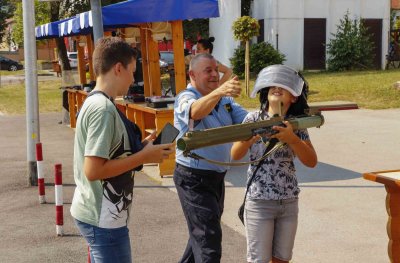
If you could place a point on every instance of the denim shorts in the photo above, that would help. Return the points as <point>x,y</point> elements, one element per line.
<point>270,229</point>
<point>106,244</point>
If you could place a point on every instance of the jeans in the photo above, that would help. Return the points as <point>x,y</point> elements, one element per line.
<point>106,244</point>
<point>271,227</point>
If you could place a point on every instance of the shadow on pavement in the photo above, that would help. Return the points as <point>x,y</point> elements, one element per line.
<point>323,172</point>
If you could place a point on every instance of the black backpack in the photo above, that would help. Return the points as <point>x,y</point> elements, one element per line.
<point>134,133</point>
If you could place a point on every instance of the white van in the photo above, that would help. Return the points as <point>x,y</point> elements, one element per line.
<point>73,59</point>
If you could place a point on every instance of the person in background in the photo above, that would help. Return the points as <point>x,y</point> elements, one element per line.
<point>137,85</point>
<point>200,185</point>
<point>194,47</point>
<point>206,46</point>
<point>105,156</point>
<point>271,207</point>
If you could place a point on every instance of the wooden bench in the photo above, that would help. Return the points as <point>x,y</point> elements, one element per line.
<point>391,180</point>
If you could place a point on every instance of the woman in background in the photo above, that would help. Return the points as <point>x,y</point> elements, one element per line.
<point>206,46</point>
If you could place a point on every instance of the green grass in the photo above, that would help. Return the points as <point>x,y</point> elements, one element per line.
<point>9,73</point>
<point>20,72</point>
<point>12,98</point>
<point>369,89</point>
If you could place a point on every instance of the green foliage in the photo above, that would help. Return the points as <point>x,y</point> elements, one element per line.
<point>261,55</point>
<point>194,28</point>
<point>245,27</point>
<point>70,8</point>
<point>42,16</point>
<point>6,10</point>
<point>351,48</point>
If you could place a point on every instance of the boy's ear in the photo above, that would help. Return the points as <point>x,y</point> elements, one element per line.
<point>117,68</point>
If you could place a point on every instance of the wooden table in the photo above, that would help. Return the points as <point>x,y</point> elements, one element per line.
<point>75,102</point>
<point>149,119</point>
<point>72,107</point>
<point>80,98</point>
<point>391,180</point>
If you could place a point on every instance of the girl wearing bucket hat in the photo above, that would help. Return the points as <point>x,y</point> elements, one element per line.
<point>271,208</point>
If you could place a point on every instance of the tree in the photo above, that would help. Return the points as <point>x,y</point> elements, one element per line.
<point>66,9</point>
<point>244,28</point>
<point>46,12</point>
<point>42,16</point>
<point>195,28</point>
<point>351,46</point>
<point>6,11</point>
<point>261,55</point>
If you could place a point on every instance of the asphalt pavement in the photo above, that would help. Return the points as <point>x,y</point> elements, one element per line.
<point>157,227</point>
<point>342,216</point>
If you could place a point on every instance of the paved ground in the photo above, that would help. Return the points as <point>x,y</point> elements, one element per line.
<point>342,216</point>
<point>158,229</point>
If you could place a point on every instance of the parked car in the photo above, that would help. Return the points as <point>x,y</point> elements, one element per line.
<point>167,56</point>
<point>9,64</point>
<point>73,59</point>
<point>163,63</point>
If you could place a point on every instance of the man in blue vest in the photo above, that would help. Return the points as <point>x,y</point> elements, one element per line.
<point>200,185</point>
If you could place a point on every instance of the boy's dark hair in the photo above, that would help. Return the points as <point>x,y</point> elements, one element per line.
<point>297,108</point>
<point>109,51</point>
<point>207,43</point>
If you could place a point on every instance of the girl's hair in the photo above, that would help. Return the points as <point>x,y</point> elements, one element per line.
<point>297,108</point>
<point>207,43</point>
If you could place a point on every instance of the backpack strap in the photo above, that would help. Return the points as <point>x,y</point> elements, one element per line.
<point>133,131</point>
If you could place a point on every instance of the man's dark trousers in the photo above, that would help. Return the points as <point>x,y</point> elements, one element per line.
<point>201,193</point>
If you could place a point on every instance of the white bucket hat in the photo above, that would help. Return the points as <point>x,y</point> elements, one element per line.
<point>279,76</point>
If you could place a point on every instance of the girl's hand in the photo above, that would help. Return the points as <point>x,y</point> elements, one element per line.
<point>286,134</point>
<point>240,148</point>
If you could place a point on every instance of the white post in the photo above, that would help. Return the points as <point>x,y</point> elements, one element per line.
<point>31,88</point>
<point>97,17</point>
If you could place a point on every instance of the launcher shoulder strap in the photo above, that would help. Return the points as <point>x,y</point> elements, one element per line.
<point>271,148</point>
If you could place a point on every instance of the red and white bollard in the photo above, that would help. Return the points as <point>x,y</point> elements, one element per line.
<point>59,199</point>
<point>39,161</point>
<point>88,254</point>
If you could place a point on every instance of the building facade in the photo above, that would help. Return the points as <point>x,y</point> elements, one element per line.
<point>300,29</point>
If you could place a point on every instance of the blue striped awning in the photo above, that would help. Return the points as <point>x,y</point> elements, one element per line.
<point>128,13</point>
<point>49,30</point>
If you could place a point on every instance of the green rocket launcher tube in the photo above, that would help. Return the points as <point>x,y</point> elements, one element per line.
<point>240,132</point>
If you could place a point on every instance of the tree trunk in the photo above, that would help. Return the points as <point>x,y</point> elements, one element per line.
<point>247,67</point>
<point>61,48</point>
<point>62,54</point>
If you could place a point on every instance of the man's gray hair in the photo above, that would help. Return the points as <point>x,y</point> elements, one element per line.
<point>197,58</point>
